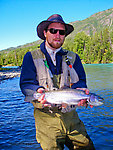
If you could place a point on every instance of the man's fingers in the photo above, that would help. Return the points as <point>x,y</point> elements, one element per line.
<point>41,90</point>
<point>87,91</point>
<point>43,101</point>
<point>91,106</point>
<point>82,103</point>
<point>47,105</point>
<point>41,98</point>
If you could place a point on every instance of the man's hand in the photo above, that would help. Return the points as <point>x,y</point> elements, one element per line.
<point>83,102</point>
<point>42,99</point>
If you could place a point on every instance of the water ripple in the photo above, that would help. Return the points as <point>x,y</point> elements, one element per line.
<point>17,124</point>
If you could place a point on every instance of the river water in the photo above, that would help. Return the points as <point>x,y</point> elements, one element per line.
<point>17,125</point>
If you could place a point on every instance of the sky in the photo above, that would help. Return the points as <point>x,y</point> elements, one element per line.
<point>19,18</point>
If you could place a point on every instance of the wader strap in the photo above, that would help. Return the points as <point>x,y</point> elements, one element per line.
<point>69,75</point>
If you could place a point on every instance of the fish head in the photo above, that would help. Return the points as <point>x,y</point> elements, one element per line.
<point>95,100</point>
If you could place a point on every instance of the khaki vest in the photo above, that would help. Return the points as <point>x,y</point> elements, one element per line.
<point>45,77</point>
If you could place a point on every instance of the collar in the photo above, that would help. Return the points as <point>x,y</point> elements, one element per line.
<point>50,51</point>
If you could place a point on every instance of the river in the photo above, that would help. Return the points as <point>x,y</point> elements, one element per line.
<point>17,125</point>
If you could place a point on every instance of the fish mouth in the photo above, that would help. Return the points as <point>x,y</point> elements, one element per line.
<point>99,103</point>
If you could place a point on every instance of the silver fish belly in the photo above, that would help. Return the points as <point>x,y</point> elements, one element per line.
<point>70,97</point>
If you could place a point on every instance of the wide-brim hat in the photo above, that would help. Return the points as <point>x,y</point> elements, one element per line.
<point>52,19</point>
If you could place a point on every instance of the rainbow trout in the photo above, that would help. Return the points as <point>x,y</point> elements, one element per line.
<point>70,97</point>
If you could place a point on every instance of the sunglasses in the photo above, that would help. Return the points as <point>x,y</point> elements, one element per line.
<point>54,31</point>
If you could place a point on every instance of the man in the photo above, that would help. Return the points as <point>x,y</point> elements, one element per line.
<point>50,68</point>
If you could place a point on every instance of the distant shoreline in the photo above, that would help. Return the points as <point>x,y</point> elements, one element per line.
<point>7,73</point>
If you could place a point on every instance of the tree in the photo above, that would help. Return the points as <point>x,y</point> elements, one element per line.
<point>81,42</point>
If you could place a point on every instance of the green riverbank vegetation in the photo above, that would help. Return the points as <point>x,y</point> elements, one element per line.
<point>97,48</point>
<point>92,49</point>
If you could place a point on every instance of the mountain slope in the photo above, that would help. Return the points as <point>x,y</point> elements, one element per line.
<point>94,23</point>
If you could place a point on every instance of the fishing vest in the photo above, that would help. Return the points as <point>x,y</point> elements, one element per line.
<point>50,81</point>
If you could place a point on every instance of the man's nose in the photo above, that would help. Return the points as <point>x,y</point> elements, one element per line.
<point>57,34</point>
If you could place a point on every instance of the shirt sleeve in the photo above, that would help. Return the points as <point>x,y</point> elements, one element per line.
<point>81,74</point>
<point>28,81</point>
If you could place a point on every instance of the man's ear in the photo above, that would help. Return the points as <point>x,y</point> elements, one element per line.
<point>44,33</point>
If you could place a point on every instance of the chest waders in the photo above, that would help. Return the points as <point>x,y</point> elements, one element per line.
<point>53,130</point>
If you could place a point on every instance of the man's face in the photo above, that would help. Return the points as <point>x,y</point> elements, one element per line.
<point>55,40</point>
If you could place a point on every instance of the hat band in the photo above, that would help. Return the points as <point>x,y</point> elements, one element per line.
<point>56,19</point>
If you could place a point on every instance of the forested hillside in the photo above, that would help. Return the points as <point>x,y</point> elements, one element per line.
<point>97,48</point>
<point>92,39</point>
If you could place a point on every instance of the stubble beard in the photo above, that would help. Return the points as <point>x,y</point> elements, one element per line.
<point>55,45</point>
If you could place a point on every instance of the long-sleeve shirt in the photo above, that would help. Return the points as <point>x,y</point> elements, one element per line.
<point>28,78</point>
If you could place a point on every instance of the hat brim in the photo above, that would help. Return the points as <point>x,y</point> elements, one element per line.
<point>44,24</point>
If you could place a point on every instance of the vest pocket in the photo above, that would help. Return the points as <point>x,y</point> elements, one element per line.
<point>43,81</point>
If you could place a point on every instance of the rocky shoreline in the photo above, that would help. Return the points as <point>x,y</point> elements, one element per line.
<point>8,74</point>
